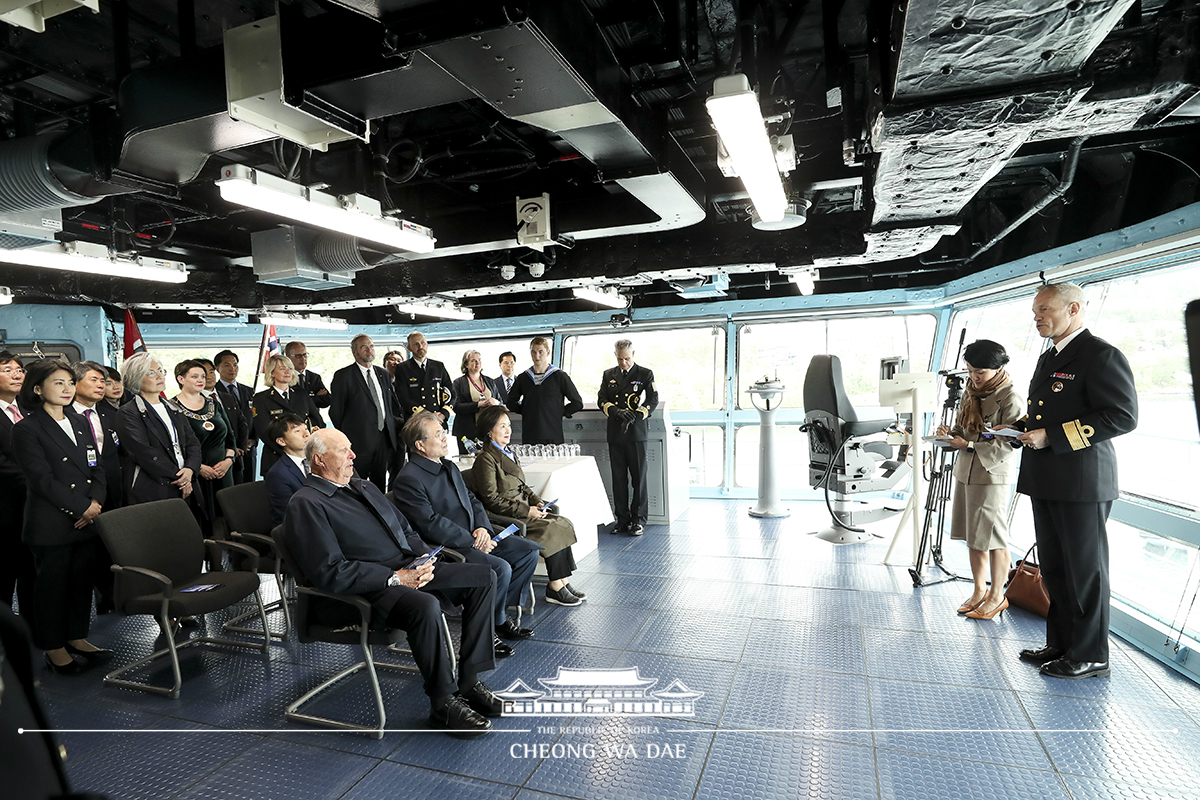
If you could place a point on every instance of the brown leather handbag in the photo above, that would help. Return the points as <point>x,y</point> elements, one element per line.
<point>1025,587</point>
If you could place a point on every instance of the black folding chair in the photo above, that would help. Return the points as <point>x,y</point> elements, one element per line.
<point>246,509</point>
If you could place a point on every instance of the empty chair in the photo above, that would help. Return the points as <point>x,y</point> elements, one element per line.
<point>158,555</point>
<point>246,510</point>
<point>358,628</point>
<point>846,455</point>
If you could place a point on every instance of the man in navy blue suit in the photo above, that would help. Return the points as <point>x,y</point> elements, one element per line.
<point>432,495</point>
<point>290,432</point>
<point>346,538</point>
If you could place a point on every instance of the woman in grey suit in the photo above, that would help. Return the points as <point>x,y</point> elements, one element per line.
<point>983,472</point>
<point>65,490</point>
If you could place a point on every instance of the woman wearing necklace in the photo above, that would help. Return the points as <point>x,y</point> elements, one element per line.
<point>210,424</point>
<point>474,392</point>
<point>280,398</point>
<point>64,491</point>
<point>162,455</point>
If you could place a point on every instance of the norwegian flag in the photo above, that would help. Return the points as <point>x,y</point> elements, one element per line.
<point>270,346</point>
<point>133,336</point>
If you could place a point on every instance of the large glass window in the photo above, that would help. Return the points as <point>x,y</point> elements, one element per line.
<point>706,454</point>
<point>688,364</point>
<point>791,456</point>
<point>451,353</point>
<point>784,349</point>
<point>1155,574</point>
<point>1010,324</point>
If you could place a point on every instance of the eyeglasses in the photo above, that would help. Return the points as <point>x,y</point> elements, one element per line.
<point>159,371</point>
<point>12,370</point>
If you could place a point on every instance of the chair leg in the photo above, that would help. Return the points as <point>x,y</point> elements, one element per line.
<point>233,625</point>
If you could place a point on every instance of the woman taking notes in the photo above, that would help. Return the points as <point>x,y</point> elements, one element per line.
<point>983,472</point>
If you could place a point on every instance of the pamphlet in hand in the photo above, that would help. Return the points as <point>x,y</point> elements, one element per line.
<point>1009,432</point>
<point>548,506</point>
<point>204,587</point>
<point>504,534</point>
<point>421,561</point>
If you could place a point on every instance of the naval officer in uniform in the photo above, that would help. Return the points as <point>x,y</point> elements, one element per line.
<point>1081,397</point>
<point>627,397</point>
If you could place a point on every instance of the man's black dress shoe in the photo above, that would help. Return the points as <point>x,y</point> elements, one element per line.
<point>90,657</point>
<point>500,649</point>
<point>74,668</point>
<point>636,530</point>
<point>458,719</point>
<point>510,630</point>
<point>1042,654</point>
<point>1066,668</point>
<point>619,528</point>
<point>480,698</point>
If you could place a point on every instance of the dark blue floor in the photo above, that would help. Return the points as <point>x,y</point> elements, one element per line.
<point>825,675</point>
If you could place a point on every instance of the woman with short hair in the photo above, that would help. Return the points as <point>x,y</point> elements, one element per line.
<point>214,432</point>
<point>472,392</point>
<point>162,455</point>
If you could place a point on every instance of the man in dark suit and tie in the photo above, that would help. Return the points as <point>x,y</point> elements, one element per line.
<point>627,397</point>
<point>1081,396</point>
<point>423,384</point>
<point>306,380</point>
<point>364,407</point>
<point>17,570</point>
<point>239,394</point>
<point>290,433</point>
<point>433,497</point>
<point>346,538</point>
<point>508,374</point>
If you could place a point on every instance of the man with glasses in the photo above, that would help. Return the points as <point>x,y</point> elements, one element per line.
<point>16,561</point>
<point>307,381</point>
<point>433,497</point>
<point>240,394</point>
<point>364,407</point>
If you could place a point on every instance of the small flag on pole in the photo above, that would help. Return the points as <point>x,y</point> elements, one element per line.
<point>133,336</point>
<point>271,347</point>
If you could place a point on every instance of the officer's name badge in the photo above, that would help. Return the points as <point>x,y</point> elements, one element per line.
<point>1066,376</point>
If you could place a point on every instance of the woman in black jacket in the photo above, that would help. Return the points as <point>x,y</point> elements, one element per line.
<point>280,398</point>
<point>162,455</point>
<point>64,492</point>
<point>473,392</point>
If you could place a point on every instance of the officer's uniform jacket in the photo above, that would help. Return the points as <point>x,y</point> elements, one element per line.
<point>635,392</point>
<point>428,389</point>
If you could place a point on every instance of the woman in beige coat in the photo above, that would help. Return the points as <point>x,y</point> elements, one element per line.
<point>983,472</point>
<point>500,485</point>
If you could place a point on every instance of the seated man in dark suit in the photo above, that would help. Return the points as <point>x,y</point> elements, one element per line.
<point>290,432</point>
<point>431,493</point>
<point>346,538</point>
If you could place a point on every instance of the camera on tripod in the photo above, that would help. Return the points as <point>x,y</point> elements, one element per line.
<point>954,379</point>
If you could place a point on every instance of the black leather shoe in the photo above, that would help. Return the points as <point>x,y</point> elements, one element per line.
<point>458,719</point>
<point>74,668</point>
<point>91,657</point>
<point>480,698</point>
<point>575,592</point>
<point>1042,655</point>
<point>619,528</point>
<point>636,530</point>
<point>500,649</point>
<point>509,630</point>
<point>1066,668</point>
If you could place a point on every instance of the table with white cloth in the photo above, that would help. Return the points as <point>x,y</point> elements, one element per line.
<point>575,482</point>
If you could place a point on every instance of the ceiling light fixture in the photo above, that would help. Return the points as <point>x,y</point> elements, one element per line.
<point>353,214</point>
<point>442,310</point>
<point>805,280</point>
<point>608,296</point>
<point>5,295</point>
<point>96,259</point>
<point>739,122</point>
<point>303,321</point>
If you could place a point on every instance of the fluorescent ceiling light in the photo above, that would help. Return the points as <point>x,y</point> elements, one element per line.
<point>96,260</point>
<point>5,295</point>
<point>805,280</point>
<point>739,122</point>
<point>354,215</point>
<point>608,297</point>
<point>303,321</point>
<point>441,310</point>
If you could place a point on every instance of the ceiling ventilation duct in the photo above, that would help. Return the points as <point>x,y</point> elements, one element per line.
<point>29,228</point>
<point>303,259</point>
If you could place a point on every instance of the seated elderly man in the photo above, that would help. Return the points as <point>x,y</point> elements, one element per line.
<point>431,493</point>
<point>347,538</point>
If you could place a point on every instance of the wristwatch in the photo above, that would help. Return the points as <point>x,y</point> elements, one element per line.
<point>394,580</point>
<point>970,447</point>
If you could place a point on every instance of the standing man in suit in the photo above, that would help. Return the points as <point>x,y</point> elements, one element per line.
<point>1081,397</point>
<point>433,497</point>
<point>346,538</point>
<point>628,397</point>
<point>364,408</point>
<point>101,419</point>
<point>290,433</point>
<point>239,394</point>
<point>423,384</point>
<point>17,570</point>
<point>305,380</point>
<point>508,368</point>
<point>241,427</point>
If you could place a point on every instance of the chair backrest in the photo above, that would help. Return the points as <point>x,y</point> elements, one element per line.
<point>823,389</point>
<point>285,555</point>
<point>162,536</point>
<point>246,508</point>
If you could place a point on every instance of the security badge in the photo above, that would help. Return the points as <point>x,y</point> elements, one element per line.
<point>92,458</point>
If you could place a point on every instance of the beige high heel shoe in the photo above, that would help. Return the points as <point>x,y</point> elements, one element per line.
<point>969,606</point>
<point>999,609</point>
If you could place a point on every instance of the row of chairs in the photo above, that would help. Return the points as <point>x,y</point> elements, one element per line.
<point>159,552</point>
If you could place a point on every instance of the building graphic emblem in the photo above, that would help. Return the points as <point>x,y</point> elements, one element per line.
<point>598,692</point>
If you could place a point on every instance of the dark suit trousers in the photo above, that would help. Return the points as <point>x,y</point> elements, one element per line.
<point>17,570</point>
<point>64,591</point>
<point>513,562</point>
<point>1073,552</point>
<point>376,470</point>
<point>629,466</point>
<point>419,614</point>
<point>249,468</point>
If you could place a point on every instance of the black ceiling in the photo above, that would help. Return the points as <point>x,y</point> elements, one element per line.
<point>922,133</point>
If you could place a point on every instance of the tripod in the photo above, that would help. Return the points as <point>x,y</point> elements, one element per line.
<point>940,480</point>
